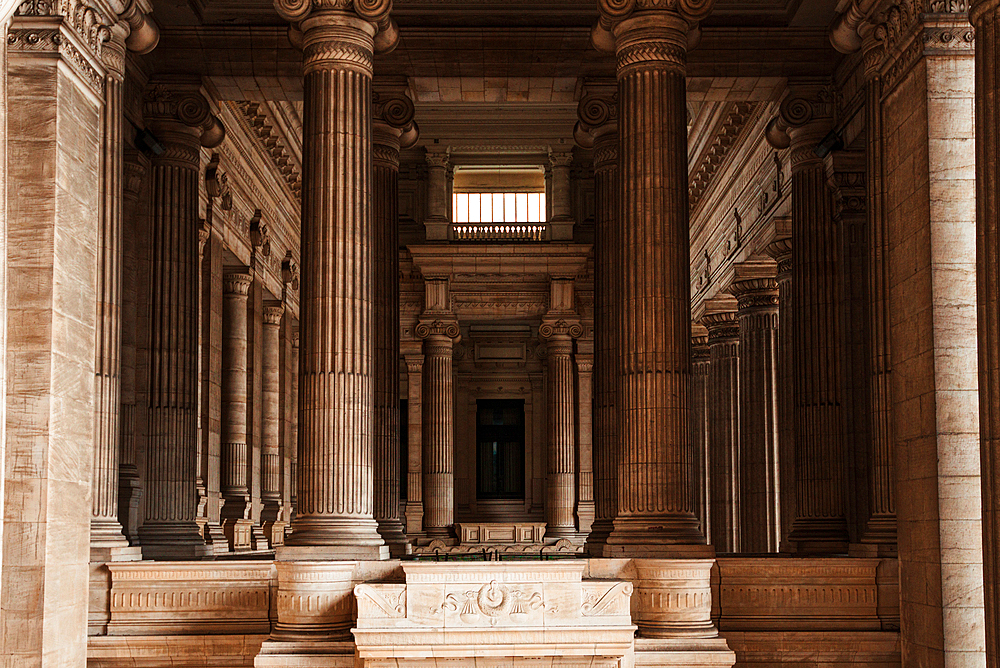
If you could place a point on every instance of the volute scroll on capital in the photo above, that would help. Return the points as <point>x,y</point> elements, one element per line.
<point>162,104</point>
<point>375,12</point>
<point>598,115</point>
<point>547,330</point>
<point>446,328</point>
<point>395,111</point>
<point>689,13</point>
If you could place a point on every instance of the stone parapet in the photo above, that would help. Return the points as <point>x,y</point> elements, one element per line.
<point>179,598</point>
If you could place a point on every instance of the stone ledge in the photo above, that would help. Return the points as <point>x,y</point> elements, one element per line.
<point>194,651</point>
<point>871,649</point>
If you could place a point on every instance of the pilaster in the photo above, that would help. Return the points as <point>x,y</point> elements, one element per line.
<point>414,511</point>
<point>561,221</point>
<point>437,221</point>
<point>272,517</point>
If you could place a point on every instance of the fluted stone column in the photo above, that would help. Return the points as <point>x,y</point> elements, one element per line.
<point>438,192</point>
<point>756,291</point>
<point>781,250</point>
<point>415,420</point>
<point>598,127</point>
<point>820,524</point>
<point>881,522</point>
<point>439,427</point>
<point>584,438</point>
<point>181,120</point>
<point>655,478</point>
<point>700,365</point>
<point>561,220</point>
<point>393,129</point>
<point>985,17</point>
<point>560,479</point>
<point>724,457</point>
<point>235,450</point>
<point>334,517</point>
<point>272,516</point>
<point>129,480</point>
<point>105,531</point>
<point>294,430</point>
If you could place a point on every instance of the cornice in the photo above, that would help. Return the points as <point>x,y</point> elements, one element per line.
<point>725,136</point>
<point>255,119</point>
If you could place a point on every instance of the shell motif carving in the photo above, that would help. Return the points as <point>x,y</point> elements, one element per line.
<point>495,602</point>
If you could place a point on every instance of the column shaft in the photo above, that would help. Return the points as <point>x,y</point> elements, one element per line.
<point>655,502</point>
<point>781,251</point>
<point>606,295</point>
<point>560,498</point>
<point>439,430</point>
<point>272,518</point>
<point>170,530</point>
<point>105,530</point>
<point>760,482</point>
<point>385,219</point>
<point>235,449</point>
<point>881,521</point>
<point>820,524</point>
<point>700,366</point>
<point>414,440</point>
<point>724,457</point>
<point>584,443</point>
<point>336,395</point>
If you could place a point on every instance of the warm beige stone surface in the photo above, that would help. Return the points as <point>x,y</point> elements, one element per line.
<point>53,179</point>
<point>929,208</point>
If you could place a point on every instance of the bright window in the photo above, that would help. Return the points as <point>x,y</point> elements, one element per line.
<point>498,207</point>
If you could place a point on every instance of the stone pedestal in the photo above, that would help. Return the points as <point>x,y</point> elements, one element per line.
<point>236,513</point>
<point>272,517</point>
<point>655,502</point>
<point>820,525</point>
<point>756,291</point>
<point>724,401</point>
<point>180,118</point>
<point>335,468</point>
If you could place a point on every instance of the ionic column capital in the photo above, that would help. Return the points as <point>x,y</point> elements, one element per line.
<point>181,118</point>
<point>804,117</point>
<point>754,293</point>
<point>437,156</point>
<point>393,126</point>
<point>437,328</point>
<point>236,283</point>
<point>615,12</point>
<point>781,251</point>
<point>699,343</point>
<point>560,329</point>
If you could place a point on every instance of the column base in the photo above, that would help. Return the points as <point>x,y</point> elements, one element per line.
<point>176,541</point>
<point>129,493</point>
<point>215,536</point>
<point>107,533</point>
<point>700,653</point>
<point>394,536</point>
<point>585,517</point>
<point>879,538</point>
<point>414,514</point>
<point>320,538</point>
<point>258,538</point>
<point>676,537</point>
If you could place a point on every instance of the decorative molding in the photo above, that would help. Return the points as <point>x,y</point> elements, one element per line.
<point>53,40</point>
<point>255,116</point>
<point>446,328</point>
<point>712,158</point>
